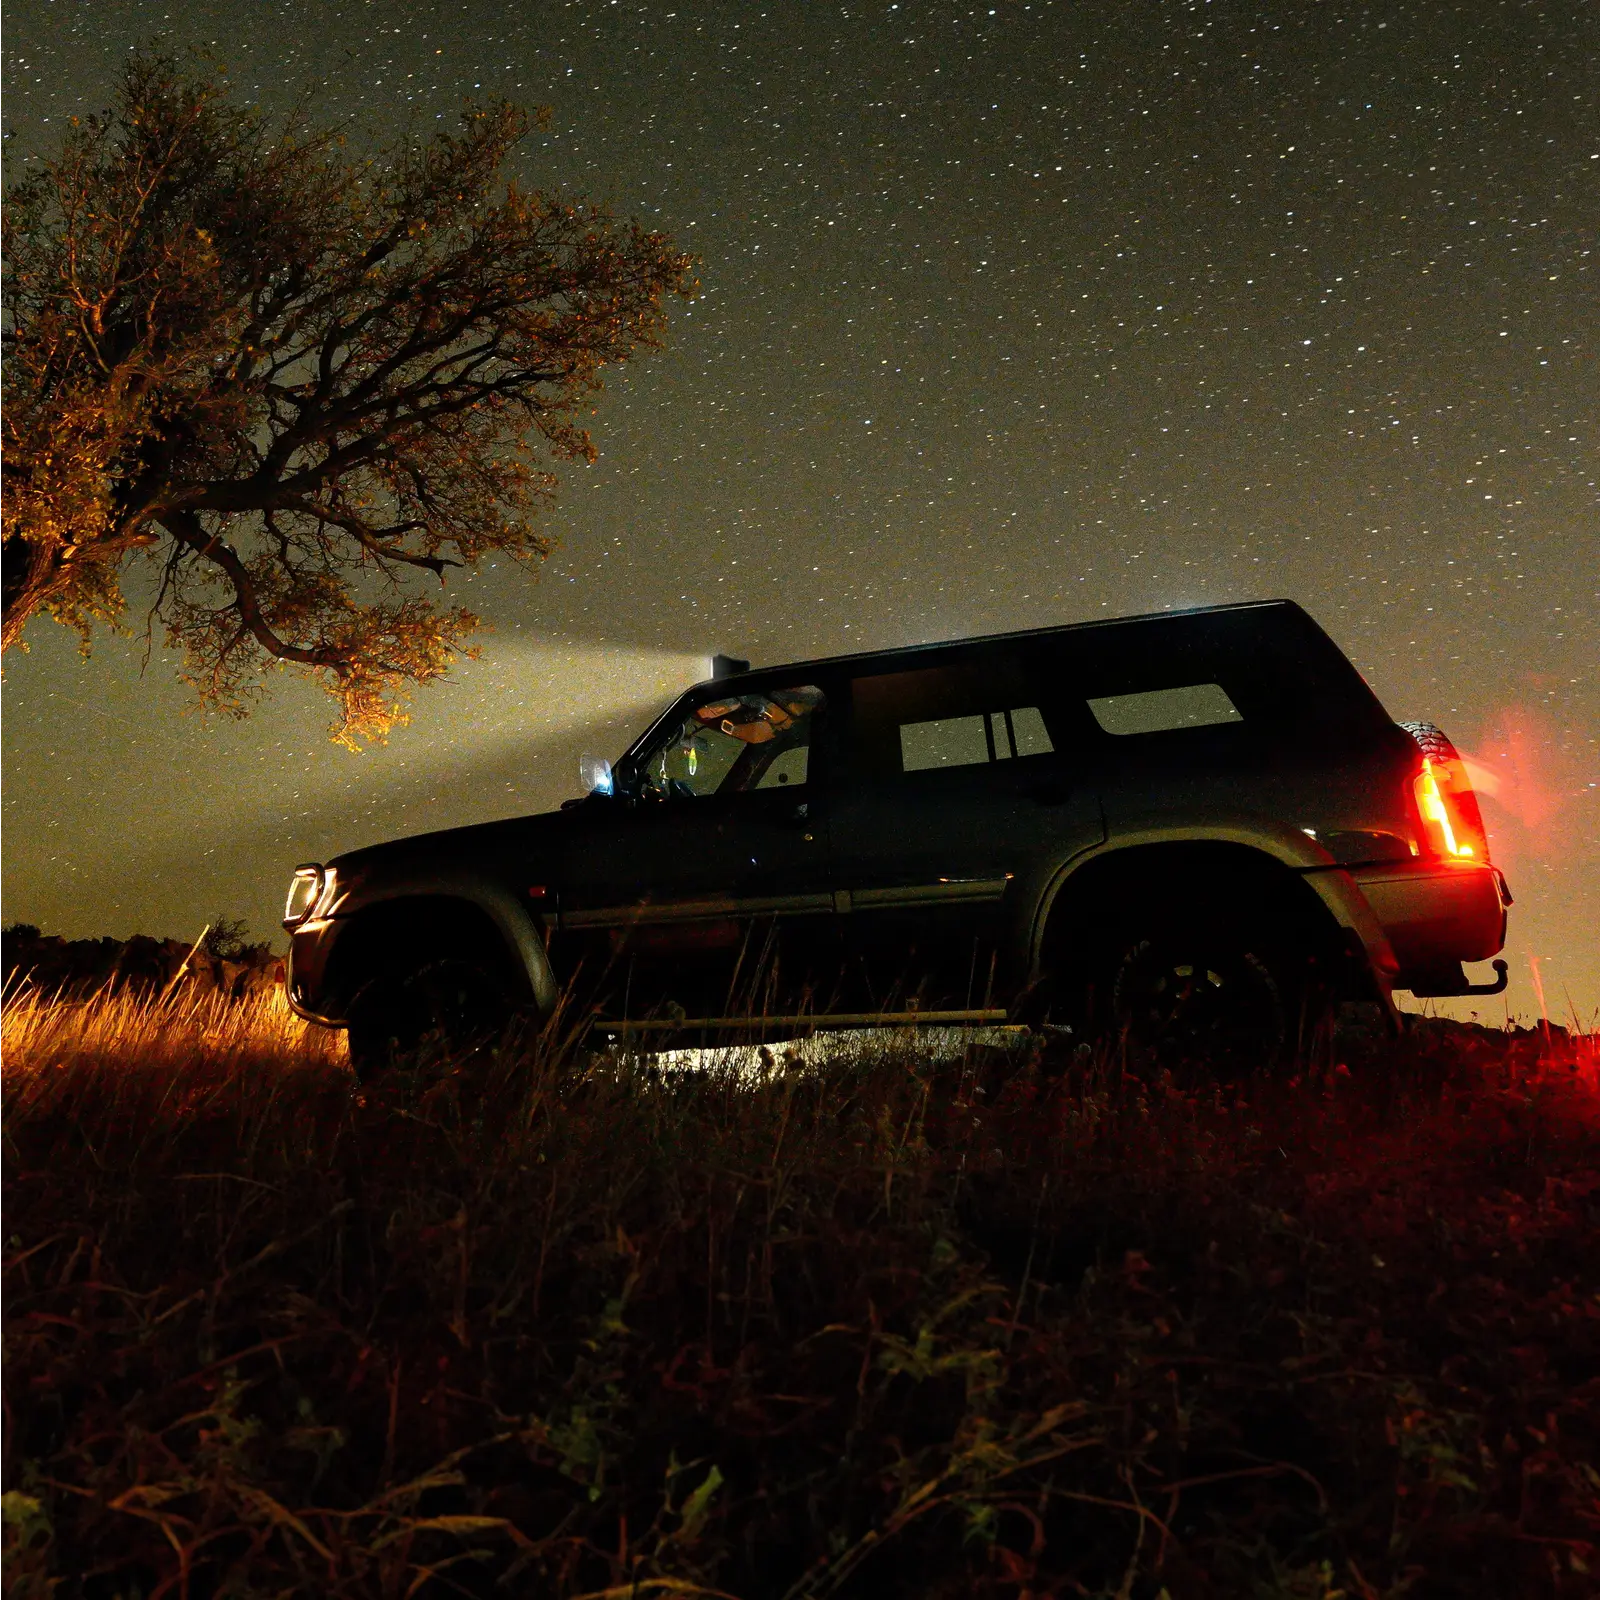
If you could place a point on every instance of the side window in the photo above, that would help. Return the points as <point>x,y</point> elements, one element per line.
<point>967,741</point>
<point>964,715</point>
<point>727,744</point>
<point>1194,705</point>
<point>948,742</point>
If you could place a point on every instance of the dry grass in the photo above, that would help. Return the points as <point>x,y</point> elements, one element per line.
<point>869,1323</point>
<point>176,1036</point>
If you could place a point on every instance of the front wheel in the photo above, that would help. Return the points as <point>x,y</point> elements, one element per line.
<point>451,1003</point>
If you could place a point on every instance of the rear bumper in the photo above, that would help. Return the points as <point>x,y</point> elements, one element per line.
<point>1437,914</point>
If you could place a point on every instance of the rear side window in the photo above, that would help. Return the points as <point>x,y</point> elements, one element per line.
<point>967,714</point>
<point>1191,705</point>
<point>1253,677</point>
<point>967,741</point>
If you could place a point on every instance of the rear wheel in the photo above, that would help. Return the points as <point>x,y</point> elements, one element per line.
<point>451,1003</point>
<point>1208,960</point>
<point>1200,1002</point>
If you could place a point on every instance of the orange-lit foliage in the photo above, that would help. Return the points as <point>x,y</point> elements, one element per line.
<point>872,1324</point>
<point>296,381</point>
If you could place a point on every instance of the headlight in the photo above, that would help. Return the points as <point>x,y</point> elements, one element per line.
<point>309,889</point>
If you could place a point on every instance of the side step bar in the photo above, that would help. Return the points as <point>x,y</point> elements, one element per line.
<point>814,1022</point>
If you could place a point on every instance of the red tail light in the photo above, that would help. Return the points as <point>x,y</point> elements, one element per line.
<point>1447,809</point>
<point>1440,825</point>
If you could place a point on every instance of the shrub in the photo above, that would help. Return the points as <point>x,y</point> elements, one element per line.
<point>876,1317</point>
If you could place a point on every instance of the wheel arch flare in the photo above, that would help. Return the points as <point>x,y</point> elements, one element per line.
<point>440,905</point>
<point>1231,859</point>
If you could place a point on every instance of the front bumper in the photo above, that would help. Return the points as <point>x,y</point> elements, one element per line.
<point>1437,914</point>
<point>305,972</point>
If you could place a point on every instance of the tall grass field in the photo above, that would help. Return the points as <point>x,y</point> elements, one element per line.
<point>892,1315</point>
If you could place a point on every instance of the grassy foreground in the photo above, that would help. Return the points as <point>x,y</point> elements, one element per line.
<point>871,1324</point>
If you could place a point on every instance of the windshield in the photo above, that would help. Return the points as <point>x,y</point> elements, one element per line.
<point>731,743</point>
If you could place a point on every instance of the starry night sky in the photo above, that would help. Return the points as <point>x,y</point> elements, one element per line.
<point>1011,314</point>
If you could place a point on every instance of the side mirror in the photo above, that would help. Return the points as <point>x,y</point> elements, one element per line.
<point>594,772</point>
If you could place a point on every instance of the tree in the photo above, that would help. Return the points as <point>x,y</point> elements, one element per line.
<point>299,384</point>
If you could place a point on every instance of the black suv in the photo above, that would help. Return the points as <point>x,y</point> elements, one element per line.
<point>1197,828</point>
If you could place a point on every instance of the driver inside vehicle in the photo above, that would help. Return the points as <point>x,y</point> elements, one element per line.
<point>734,743</point>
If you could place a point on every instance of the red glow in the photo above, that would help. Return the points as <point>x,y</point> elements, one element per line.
<point>1530,771</point>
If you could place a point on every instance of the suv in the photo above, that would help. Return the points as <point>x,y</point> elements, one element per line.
<point>1199,829</point>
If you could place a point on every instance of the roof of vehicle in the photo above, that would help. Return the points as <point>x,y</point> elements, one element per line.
<point>1284,608</point>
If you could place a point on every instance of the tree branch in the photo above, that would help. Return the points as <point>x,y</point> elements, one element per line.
<point>188,530</point>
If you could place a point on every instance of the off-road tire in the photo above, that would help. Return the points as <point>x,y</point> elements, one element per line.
<point>452,1005</point>
<point>1200,1003</point>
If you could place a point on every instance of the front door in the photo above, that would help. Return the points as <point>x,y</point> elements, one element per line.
<point>958,801</point>
<point>701,887</point>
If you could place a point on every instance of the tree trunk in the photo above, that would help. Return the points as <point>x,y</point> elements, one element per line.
<point>24,584</point>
